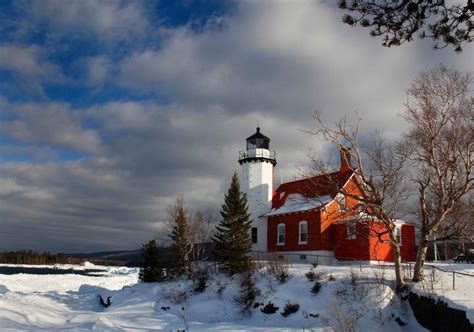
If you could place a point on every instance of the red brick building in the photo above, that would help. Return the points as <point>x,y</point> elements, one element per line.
<point>312,217</point>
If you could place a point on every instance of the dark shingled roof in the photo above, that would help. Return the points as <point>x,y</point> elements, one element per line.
<point>258,134</point>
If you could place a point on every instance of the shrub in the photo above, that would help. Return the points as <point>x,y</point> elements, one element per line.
<point>278,270</point>
<point>269,308</point>
<point>331,278</point>
<point>316,287</point>
<point>290,308</point>
<point>200,286</point>
<point>354,278</point>
<point>315,264</point>
<point>283,276</point>
<point>310,275</point>
<point>248,293</point>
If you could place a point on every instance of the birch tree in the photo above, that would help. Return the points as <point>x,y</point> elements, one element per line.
<point>379,169</point>
<point>440,141</point>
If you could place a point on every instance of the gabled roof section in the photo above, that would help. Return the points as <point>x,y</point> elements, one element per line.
<point>310,189</point>
<point>296,203</point>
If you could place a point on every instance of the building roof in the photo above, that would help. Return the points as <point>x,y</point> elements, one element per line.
<point>307,194</point>
<point>297,203</point>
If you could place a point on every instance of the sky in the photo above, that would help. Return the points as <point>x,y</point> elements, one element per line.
<point>110,110</point>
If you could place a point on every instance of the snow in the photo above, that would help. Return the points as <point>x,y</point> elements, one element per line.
<point>439,284</point>
<point>298,203</point>
<point>70,302</point>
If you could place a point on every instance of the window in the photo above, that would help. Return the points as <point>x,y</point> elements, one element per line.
<point>398,234</point>
<point>303,257</point>
<point>341,200</point>
<point>254,234</point>
<point>351,230</point>
<point>281,234</point>
<point>303,232</point>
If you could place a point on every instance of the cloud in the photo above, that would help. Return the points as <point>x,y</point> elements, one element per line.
<point>105,21</point>
<point>30,67</point>
<point>53,124</point>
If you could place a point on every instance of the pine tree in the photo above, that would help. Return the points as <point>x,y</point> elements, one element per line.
<point>181,246</point>
<point>232,243</point>
<point>151,269</point>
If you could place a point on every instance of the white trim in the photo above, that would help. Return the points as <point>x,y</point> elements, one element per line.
<point>278,234</point>
<point>302,222</point>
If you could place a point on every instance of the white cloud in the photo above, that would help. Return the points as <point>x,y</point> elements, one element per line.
<point>30,66</point>
<point>50,123</point>
<point>106,21</point>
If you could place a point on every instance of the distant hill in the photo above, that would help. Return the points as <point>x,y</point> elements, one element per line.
<point>129,258</point>
<point>119,257</point>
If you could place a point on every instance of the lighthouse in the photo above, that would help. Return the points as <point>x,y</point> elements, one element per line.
<point>257,163</point>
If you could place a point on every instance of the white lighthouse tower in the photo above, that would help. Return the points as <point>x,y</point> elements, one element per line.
<point>256,181</point>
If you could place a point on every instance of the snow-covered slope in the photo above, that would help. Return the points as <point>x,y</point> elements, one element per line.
<point>70,302</point>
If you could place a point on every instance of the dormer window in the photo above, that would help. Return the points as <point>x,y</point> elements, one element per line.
<point>341,201</point>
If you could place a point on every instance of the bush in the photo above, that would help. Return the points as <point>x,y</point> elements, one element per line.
<point>316,287</point>
<point>315,264</point>
<point>200,286</point>
<point>310,275</point>
<point>283,276</point>
<point>290,308</point>
<point>269,308</point>
<point>248,293</point>
<point>331,278</point>
<point>279,271</point>
<point>200,278</point>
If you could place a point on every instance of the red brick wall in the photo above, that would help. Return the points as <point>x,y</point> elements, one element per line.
<point>383,251</point>
<point>347,249</point>
<point>291,222</point>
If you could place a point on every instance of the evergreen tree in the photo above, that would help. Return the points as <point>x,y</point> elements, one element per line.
<point>151,269</point>
<point>181,246</point>
<point>232,243</point>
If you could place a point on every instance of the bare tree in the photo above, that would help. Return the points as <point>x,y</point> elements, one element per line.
<point>446,22</point>
<point>441,142</point>
<point>201,230</point>
<point>188,233</point>
<point>458,227</point>
<point>379,169</point>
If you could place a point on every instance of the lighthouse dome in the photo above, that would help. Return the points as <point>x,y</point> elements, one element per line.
<point>258,141</point>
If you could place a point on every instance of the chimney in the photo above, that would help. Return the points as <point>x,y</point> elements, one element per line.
<point>345,159</point>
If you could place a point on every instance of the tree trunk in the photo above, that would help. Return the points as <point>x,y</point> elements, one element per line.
<point>397,258</point>
<point>420,258</point>
<point>445,250</point>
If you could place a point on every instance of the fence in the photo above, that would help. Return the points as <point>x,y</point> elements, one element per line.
<point>457,277</point>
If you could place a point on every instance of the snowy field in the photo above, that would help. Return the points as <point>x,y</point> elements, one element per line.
<point>70,302</point>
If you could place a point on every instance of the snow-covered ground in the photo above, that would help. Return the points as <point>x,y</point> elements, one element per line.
<point>70,302</point>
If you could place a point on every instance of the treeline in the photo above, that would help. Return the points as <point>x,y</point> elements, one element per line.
<point>31,257</point>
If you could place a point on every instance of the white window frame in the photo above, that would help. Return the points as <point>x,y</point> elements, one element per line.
<point>341,201</point>
<point>398,233</point>
<point>351,231</point>
<point>278,234</point>
<point>301,223</point>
